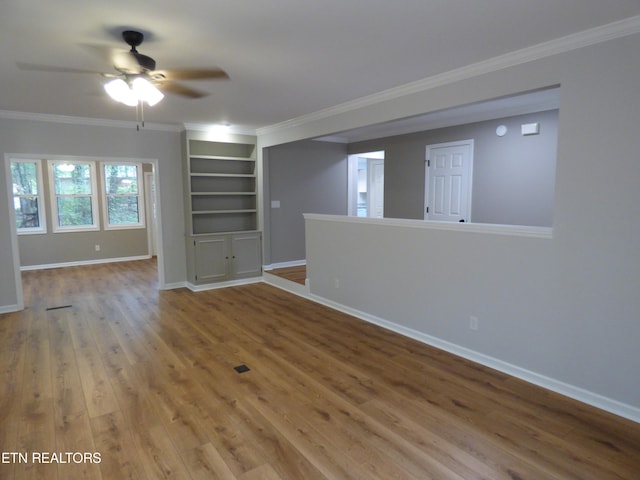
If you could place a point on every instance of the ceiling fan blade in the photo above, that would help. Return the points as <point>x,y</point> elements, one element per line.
<point>126,62</point>
<point>105,53</point>
<point>180,89</point>
<point>49,68</point>
<point>192,73</point>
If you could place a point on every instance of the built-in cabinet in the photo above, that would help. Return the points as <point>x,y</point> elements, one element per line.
<point>223,239</point>
<point>227,257</point>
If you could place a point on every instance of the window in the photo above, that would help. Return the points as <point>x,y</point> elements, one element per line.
<point>123,197</point>
<point>73,198</point>
<point>26,177</point>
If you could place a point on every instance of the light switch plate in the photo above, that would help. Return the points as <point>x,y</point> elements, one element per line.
<point>530,129</point>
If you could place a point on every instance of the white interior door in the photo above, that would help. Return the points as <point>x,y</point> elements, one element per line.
<point>375,187</point>
<point>448,170</point>
<point>365,190</point>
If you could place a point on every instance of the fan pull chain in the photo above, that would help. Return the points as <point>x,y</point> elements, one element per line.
<point>139,114</point>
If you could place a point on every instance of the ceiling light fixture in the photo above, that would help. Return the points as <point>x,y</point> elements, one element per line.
<point>219,128</point>
<point>146,91</point>
<point>120,92</point>
<point>134,94</point>
<point>66,167</point>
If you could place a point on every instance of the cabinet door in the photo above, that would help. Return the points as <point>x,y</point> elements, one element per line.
<point>246,255</point>
<point>212,259</point>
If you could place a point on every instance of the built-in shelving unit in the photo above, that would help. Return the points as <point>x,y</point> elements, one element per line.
<point>221,189</point>
<point>221,185</point>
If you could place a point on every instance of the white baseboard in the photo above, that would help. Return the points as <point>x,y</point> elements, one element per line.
<point>84,262</point>
<point>613,406</point>
<point>173,286</point>
<point>9,308</point>
<point>293,263</point>
<point>230,283</point>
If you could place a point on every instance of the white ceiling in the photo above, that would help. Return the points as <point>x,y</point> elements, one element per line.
<point>285,58</point>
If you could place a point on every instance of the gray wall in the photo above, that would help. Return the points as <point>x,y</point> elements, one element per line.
<point>307,176</point>
<point>513,176</point>
<point>49,138</point>
<point>564,308</point>
<point>55,248</point>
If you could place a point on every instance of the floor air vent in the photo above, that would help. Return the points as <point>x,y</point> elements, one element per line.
<point>58,308</point>
<point>241,368</point>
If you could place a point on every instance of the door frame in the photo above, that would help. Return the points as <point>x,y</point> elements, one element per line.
<point>352,178</point>
<point>427,177</point>
<point>371,183</point>
<point>151,209</point>
<point>15,249</point>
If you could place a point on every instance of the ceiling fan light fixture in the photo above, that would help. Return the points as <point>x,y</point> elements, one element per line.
<point>120,92</point>
<point>146,91</point>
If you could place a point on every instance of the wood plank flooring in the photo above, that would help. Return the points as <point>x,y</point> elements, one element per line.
<point>145,380</point>
<point>296,274</point>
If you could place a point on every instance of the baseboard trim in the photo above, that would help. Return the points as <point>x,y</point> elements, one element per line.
<point>590,398</point>
<point>293,263</point>
<point>214,286</point>
<point>84,262</point>
<point>9,309</point>
<point>173,286</point>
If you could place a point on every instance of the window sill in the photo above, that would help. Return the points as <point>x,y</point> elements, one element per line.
<point>31,232</point>
<point>124,227</point>
<point>76,230</point>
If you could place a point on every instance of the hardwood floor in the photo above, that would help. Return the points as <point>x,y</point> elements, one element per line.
<point>144,381</point>
<point>296,274</point>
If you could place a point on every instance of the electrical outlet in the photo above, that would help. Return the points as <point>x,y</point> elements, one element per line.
<point>336,283</point>
<point>97,248</point>
<point>474,323</point>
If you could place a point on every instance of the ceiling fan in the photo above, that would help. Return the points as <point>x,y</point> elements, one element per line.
<point>133,64</point>
<point>137,79</point>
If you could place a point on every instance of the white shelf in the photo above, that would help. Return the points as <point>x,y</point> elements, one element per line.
<point>207,194</point>
<point>218,157</point>
<point>222,175</point>
<point>216,212</point>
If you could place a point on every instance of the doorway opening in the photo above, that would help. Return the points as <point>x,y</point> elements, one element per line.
<point>150,164</point>
<point>366,184</point>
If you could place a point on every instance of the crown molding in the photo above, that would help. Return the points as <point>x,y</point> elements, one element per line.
<point>86,121</point>
<point>205,127</point>
<point>611,31</point>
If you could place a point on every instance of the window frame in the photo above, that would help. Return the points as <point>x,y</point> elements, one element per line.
<point>105,196</point>
<point>95,212</point>
<point>40,197</point>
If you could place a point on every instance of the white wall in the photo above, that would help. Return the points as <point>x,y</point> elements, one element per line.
<point>566,308</point>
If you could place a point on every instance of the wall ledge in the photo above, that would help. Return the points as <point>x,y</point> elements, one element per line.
<point>483,228</point>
